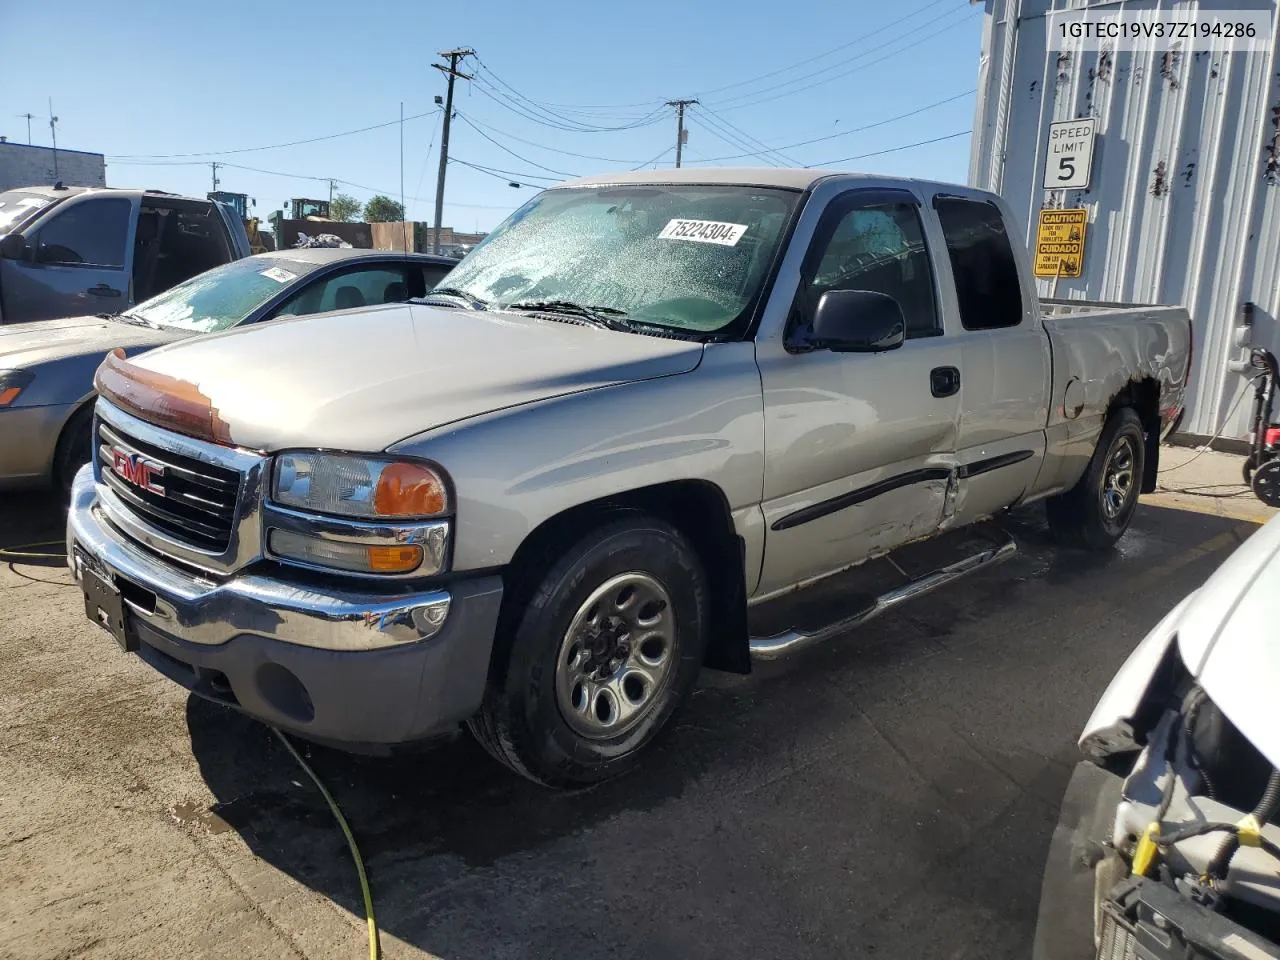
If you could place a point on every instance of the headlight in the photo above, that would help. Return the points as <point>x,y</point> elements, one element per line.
<point>361,487</point>
<point>12,383</point>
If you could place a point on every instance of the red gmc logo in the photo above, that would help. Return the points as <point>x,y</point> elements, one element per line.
<point>138,470</point>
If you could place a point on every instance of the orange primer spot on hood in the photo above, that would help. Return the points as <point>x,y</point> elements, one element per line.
<point>160,399</point>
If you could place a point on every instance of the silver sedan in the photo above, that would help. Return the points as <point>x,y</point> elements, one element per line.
<point>47,367</point>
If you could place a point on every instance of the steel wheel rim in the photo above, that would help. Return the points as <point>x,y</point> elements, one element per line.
<point>617,656</point>
<point>1118,478</point>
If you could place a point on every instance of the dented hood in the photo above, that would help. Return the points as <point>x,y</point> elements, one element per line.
<point>1229,638</point>
<point>364,379</point>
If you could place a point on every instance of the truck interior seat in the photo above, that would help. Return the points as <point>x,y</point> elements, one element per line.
<point>146,255</point>
<point>348,297</point>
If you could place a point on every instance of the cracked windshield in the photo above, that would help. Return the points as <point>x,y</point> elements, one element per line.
<point>688,258</point>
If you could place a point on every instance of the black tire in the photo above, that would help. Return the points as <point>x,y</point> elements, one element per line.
<point>74,450</point>
<point>1246,469</point>
<point>523,721</point>
<point>1081,517</point>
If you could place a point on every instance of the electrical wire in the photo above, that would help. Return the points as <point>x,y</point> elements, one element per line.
<point>810,60</point>
<point>665,151</point>
<point>272,146</point>
<point>533,143</point>
<point>553,108</point>
<point>732,104</point>
<point>748,139</point>
<point>375,946</point>
<point>508,150</point>
<point>880,153</point>
<point>502,174</point>
<point>508,103</point>
<point>723,137</point>
<point>1225,421</point>
<point>853,130</point>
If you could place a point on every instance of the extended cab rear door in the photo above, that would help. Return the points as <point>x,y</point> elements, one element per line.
<point>237,236</point>
<point>1004,357</point>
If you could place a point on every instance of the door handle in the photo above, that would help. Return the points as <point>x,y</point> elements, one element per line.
<point>102,290</point>
<point>944,381</point>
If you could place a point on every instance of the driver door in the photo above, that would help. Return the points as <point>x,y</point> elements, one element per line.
<point>860,447</point>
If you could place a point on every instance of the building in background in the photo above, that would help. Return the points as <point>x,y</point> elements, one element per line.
<point>1183,199</point>
<point>394,235</point>
<point>22,165</point>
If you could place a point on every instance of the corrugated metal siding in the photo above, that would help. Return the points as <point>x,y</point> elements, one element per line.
<point>1185,191</point>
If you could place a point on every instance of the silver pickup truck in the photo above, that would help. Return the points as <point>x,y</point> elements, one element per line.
<point>626,438</point>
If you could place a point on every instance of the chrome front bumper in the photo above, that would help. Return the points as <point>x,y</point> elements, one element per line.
<point>341,666</point>
<point>198,610</point>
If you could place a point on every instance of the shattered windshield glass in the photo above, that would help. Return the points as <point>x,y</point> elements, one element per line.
<point>688,257</point>
<point>222,297</point>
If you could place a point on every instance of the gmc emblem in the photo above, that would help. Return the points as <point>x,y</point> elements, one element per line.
<point>138,470</point>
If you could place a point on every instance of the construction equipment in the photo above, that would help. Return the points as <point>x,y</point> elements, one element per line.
<point>240,202</point>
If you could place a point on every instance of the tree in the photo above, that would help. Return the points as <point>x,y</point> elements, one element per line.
<point>344,207</point>
<point>382,209</point>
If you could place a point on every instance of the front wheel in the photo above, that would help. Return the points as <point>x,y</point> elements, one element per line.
<point>605,651</point>
<point>1096,512</point>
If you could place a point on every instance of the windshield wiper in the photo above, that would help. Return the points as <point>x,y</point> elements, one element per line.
<point>457,293</point>
<point>607,318</point>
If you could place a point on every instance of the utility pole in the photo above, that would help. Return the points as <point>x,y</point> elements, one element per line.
<point>29,118</point>
<point>214,166</point>
<point>680,131</point>
<point>331,196</point>
<point>53,131</point>
<point>451,71</point>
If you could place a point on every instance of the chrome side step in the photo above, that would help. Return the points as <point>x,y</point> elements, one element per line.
<point>784,644</point>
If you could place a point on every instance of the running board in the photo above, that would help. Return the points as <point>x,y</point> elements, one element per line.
<point>784,644</point>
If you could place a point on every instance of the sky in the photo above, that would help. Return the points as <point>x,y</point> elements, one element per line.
<point>559,88</point>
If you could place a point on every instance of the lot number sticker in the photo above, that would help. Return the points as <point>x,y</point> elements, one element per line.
<point>1060,243</point>
<point>279,275</point>
<point>704,231</point>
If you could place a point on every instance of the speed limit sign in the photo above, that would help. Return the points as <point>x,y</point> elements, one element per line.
<point>1070,154</point>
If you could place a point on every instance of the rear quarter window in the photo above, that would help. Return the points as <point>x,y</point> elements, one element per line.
<point>982,262</point>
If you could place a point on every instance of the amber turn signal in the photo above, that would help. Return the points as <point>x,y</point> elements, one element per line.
<point>394,559</point>
<point>409,490</point>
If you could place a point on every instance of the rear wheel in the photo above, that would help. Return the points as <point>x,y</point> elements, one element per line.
<point>604,652</point>
<point>1096,512</point>
<point>74,450</point>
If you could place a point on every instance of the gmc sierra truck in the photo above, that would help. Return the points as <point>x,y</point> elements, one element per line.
<point>654,422</point>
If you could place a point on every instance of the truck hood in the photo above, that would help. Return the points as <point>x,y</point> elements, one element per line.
<point>27,345</point>
<point>1229,640</point>
<point>365,379</point>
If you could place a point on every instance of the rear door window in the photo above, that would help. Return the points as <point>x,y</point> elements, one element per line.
<point>983,263</point>
<point>91,233</point>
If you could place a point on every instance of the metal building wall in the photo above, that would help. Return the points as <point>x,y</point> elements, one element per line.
<point>1184,198</point>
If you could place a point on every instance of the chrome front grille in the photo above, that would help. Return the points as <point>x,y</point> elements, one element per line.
<point>190,500</point>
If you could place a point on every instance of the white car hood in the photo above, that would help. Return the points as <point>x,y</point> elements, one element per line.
<point>1228,640</point>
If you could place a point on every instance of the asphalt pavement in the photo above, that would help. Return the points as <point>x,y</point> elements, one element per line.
<point>889,794</point>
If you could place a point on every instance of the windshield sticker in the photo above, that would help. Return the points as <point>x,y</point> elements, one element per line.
<point>704,231</point>
<point>279,275</point>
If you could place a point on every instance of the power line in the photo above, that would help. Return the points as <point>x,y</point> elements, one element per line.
<point>748,138</point>
<point>505,101</point>
<point>548,107</point>
<point>497,170</point>
<point>533,143</point>
<point>665,151</point>
<point>808,61</point>
<point>880,153</point>
<point>733,142</point>
<point>851,130</point>
<point>508,150</point>
<point>730,104</point>
<point>273,146</point>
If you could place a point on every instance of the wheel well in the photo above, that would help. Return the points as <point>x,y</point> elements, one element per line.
<point>63,433</point>
<point>1144,397</point>
<point>697,509</point>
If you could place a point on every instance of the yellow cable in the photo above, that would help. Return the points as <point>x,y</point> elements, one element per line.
<point>16,551</point>
<point>375,948</point>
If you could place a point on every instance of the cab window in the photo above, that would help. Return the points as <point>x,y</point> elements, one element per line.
<point>879,247</point>
<point>349,290</point>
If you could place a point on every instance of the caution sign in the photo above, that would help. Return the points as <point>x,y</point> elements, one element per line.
<point>1060,243</point>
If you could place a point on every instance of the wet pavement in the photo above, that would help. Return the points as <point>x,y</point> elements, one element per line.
<point>891,794</point>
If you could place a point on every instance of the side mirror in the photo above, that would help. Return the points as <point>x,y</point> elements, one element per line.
<point>14,246</point>
<point>858,321</point>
